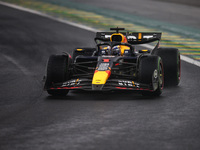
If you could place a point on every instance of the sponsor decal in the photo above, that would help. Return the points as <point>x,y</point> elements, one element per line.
<point>71,83</point>
<point>103,66</point>
<point>106,60</point>
<point>126,83</point>
<point>131,37</point>
<point>147,36</point>
<point>108,56</point>
<point>107,36</point>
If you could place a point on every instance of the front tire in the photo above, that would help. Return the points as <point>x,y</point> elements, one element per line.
<point>57,71</point>
<point>151,73</point>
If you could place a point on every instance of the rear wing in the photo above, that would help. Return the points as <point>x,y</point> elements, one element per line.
<point>132,37</point>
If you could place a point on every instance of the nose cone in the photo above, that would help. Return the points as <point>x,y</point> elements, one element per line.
<point>99,79</point>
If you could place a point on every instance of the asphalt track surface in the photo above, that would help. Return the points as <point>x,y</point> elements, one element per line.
<point>180,12</point>
<point>30,119</point>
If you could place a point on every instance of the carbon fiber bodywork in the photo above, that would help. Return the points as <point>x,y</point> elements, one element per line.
<point>113,65</point>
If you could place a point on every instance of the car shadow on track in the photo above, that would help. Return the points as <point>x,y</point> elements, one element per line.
<point>103,96</point>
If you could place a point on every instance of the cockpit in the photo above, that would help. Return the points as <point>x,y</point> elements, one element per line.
<point>116,45</point>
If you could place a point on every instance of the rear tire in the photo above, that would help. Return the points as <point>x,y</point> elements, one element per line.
<point>57,71</point>
<point>148,67</point>
<point>172,65</point>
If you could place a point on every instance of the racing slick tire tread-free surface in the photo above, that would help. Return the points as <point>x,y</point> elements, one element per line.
<point>171,63</point>
<point>148,64</point>
<point>57,71</point>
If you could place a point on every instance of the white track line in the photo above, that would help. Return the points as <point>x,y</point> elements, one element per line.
<point>48,16</point>
<point>184,58</point>
<point>190,60</point>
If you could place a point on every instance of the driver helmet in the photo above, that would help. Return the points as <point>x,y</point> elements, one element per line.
<point>116,50</point>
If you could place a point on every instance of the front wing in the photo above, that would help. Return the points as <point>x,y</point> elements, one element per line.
<point>111,84</point>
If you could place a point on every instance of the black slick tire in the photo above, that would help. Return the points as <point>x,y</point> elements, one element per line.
<point>171,63</point>
<point>57,71</point>
<point>148,65</point>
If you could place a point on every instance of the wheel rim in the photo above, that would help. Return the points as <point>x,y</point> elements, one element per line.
<point>161,76</point>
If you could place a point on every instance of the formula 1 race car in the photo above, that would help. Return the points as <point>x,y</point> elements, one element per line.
<point>115,64</point>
